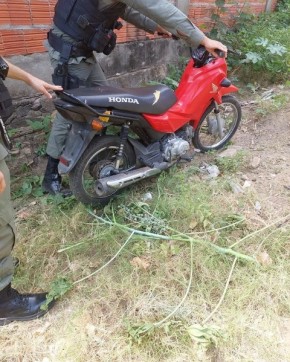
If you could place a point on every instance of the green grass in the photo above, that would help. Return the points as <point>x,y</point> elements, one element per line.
<point>114,314</point>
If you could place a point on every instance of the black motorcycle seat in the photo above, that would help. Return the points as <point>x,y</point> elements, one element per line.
<point>155,99</point>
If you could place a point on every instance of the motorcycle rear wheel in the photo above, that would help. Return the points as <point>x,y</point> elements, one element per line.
<point>206,136</point>
<point>96,162</point>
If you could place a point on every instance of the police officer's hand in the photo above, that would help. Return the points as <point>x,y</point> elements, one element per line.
<point>2,182</point>
<point>163,32</point>
<point>211,45</point>
<point>39,85</point>
<point>42,86</point>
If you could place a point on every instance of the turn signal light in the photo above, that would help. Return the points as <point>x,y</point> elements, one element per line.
<point>105,119</point>
<point>96,125</point>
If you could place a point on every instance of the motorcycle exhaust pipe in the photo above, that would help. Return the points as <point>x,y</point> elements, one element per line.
<point>107,185</point>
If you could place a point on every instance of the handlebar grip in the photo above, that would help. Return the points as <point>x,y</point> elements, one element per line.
<point>220,53</point>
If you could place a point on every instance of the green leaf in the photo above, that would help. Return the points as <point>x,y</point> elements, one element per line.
<point>252,57</point>
<point>262,41</point>
<point>205,335</point>
<point>58,288</point>
<point>277,49</point>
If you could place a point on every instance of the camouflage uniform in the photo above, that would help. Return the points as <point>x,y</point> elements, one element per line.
<point>7,238</point>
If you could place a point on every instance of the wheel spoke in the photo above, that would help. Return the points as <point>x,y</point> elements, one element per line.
<point>217,129</point>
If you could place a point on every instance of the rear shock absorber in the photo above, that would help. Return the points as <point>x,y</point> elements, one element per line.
<point>123,139</point>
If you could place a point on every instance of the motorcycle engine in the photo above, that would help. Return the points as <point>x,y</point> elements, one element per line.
<point>174,147</point>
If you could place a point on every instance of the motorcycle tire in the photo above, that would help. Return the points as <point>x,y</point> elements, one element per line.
<point>96,162</point>
<point>206,137</point>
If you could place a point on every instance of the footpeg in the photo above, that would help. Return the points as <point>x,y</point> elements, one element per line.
<point>187,157</point>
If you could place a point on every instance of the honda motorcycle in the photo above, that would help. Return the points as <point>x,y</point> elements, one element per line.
<point>119,136</point>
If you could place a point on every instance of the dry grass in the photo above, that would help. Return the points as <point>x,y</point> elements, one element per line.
<point>92,322</point>
<point>97,318</point>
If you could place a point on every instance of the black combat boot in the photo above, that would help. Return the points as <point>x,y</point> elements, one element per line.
<point>20,307</point>
<point>52,180</point>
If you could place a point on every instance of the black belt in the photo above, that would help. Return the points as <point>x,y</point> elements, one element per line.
<point>61,46</point>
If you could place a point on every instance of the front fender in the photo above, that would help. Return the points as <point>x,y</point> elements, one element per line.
<point>78,139</point>
<point>225,90</point>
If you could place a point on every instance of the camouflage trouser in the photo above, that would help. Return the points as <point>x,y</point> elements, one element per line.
<point>7,236</point>
<point>92,74</point>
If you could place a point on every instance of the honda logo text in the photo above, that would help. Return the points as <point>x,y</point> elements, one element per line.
<point>123,100</point>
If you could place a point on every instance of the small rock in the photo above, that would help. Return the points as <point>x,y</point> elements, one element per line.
<point>36,105</point>
<point>230,151</point>
<point>236,188</point>
<point>244,177</point>
<point>147,197</point>
<point>193,224</point>
<point>256,161</point>
<point>264,259</point>
<point>258,206</point>
<point>247,184</point>
<point>213,171</point>
<point>26,151</point>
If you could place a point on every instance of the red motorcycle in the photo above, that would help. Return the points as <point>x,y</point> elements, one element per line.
<point>119,136</point>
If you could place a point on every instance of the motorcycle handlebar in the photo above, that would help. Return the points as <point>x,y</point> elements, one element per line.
<point>220,53</point>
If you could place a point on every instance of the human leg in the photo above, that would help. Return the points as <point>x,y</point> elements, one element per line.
<point>13,305</point>
<point>90,74</point>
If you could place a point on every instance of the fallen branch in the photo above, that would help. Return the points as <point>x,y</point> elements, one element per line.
<point>177,237</point>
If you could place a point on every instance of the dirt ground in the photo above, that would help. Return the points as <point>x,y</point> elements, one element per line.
<point>267,140</point>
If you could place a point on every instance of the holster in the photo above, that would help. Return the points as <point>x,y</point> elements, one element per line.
<point>61,77</point>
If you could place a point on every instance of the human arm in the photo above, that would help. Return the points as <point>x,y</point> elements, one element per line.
<point>175,22</point>
<point>141,21</point>
<point>2,182</point>
<point>39,85</point>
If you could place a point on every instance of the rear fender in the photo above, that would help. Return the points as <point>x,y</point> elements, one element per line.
<point>78,139</point>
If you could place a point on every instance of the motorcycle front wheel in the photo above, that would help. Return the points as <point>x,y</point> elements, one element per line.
<point>213,134</point>
<point>96,162</point>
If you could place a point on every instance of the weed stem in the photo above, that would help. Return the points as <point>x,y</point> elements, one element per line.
<point>223,295</point>
<point>108,262</point>
<point>260,230</point>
